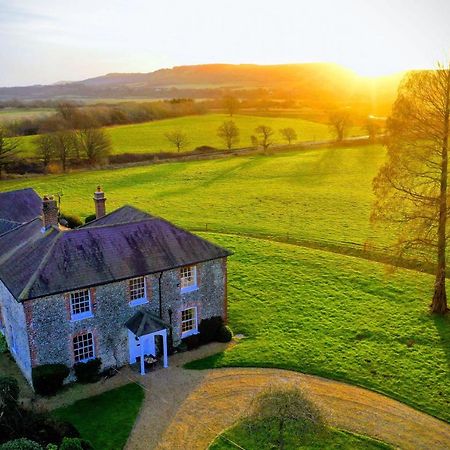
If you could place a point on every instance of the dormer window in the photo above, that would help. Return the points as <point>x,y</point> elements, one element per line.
<point>188,278</point>
<point>138,291</point>
<point>80,304</point>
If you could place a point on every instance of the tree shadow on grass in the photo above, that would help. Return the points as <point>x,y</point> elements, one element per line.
<point>442,324</point>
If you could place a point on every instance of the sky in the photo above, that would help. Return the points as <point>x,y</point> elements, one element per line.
<point>47,41</point>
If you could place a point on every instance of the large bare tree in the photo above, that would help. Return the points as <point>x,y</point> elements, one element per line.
<point>231,104</point>
<point>229,133</point>
<point>264,137</point>
<point>9,147</point>
<point>94,144</point>
<point>289,134</point>
<point>411,188</point>
<point>340,123</point>
<point>178,138</point>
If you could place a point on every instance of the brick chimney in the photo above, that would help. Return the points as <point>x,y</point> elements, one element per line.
<point>49,212</point>
<point>99,201</point>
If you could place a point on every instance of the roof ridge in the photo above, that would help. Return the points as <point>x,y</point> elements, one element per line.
<point>41,264</point>
<point>110,225</point>
<point>110,213</point>
<point>20,225</point>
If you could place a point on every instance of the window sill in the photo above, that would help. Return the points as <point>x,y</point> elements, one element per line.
<point>81,316</point>
<point>85,360</point>
<point>189,333</point>
<point>138,301</point>
<point>189,289</point>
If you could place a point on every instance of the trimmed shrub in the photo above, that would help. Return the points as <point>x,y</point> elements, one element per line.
<point>20,444</point>
<point>89,371</point>
<point>75,444</point>
<point>209,329</point>
<point>9,392</point>
<point>224,334</point>
<point>192,341</point>
<point>71,220</point>
<point>90,218</point>
<point>48,379</point>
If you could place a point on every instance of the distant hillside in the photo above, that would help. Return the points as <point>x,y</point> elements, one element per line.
<point>315,85</point>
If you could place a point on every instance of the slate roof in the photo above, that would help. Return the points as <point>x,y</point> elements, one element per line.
<point>34,264</point>
<point>124,214</point>
<point>20,206</point>
<point>144,322</point>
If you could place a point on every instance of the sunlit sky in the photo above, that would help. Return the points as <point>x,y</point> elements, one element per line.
<point>45,41</point>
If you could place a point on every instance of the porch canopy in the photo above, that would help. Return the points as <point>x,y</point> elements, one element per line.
<point>145,326</point>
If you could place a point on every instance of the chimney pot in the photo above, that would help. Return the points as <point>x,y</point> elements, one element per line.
<point>99,201</point>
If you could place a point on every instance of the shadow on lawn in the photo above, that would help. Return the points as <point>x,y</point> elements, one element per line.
<point>442,324</point>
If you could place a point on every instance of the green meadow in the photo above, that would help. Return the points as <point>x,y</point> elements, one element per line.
<point>13,114</point>
<point>149,137</point>
<point>300,308</point>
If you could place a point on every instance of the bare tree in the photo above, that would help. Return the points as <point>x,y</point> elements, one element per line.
<point>229,133</point>
<point>373,128</point>
<point>340,122</point>
<point>411,187</point>
<point>63,142</point>
<point>45,149</point>
<point>264,136</point>
<point>289,134</point>
<point>286,409</point>
<point>178,138</point>
<point>9,147</point>
<point>231,104</point>
<point>94,144</point>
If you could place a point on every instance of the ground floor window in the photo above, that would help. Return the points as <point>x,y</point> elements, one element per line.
<point>188,321</point>
<point>83,347</point>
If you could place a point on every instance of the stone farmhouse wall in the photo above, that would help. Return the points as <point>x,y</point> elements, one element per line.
<point>51,329</point>
<point>15,330</point>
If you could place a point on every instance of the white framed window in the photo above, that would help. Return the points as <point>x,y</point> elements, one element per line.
<point>188,278</point>
<point>138,291</point>
<point>189,322</point>
<point>83,347</point>
<point>80,304</point>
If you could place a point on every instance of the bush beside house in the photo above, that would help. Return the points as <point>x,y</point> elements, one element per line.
<point>89,371</point>
<point>48,379</point>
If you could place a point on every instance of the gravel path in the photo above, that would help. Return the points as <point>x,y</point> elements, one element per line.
<point>186,409</point>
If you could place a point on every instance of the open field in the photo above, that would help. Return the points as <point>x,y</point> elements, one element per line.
<point>149,137</point>
<point>301,309</point>
<point>319,195</point>
<point>13,114</point>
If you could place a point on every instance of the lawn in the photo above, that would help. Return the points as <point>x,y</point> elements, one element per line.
<point>105,420</point>
<point>319,196</point>
<point>265,438</point>
<point>149,137</point>
<point>338,317</point>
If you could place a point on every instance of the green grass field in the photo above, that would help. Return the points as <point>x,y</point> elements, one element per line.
<point>105,420</point>
<point>265,438</point>
<point>303,309</point>
<point>13,114</point>
<point>149,137</point>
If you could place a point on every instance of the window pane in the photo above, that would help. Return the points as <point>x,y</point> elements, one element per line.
<point>188,276</point>
<point>137,288</point>
<point>83,347</point>
<point>80,302</point>
<point>188,320</point>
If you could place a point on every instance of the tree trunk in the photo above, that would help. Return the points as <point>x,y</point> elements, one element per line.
<point>439,302</point>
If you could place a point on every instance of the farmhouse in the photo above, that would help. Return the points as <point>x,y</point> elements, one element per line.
<point>125,285</point>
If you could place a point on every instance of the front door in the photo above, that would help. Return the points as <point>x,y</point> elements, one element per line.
<point>134,345</point>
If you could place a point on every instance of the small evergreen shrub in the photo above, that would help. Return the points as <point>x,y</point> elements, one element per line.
<point>48,379</point>
<point>209,329</point>
<point>224,334</point>
<point>90,218</point>
<point>75,444</point>
<point>72,220</point>
<point>89,371</point>
<point>192,341</point>
<point>20,444</point>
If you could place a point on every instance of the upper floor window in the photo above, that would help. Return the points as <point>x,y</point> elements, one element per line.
<point>138,294</point>
<point>83,347</point>
<point>188,278</point>
<point>80,304</point>
<point>188,322</point>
